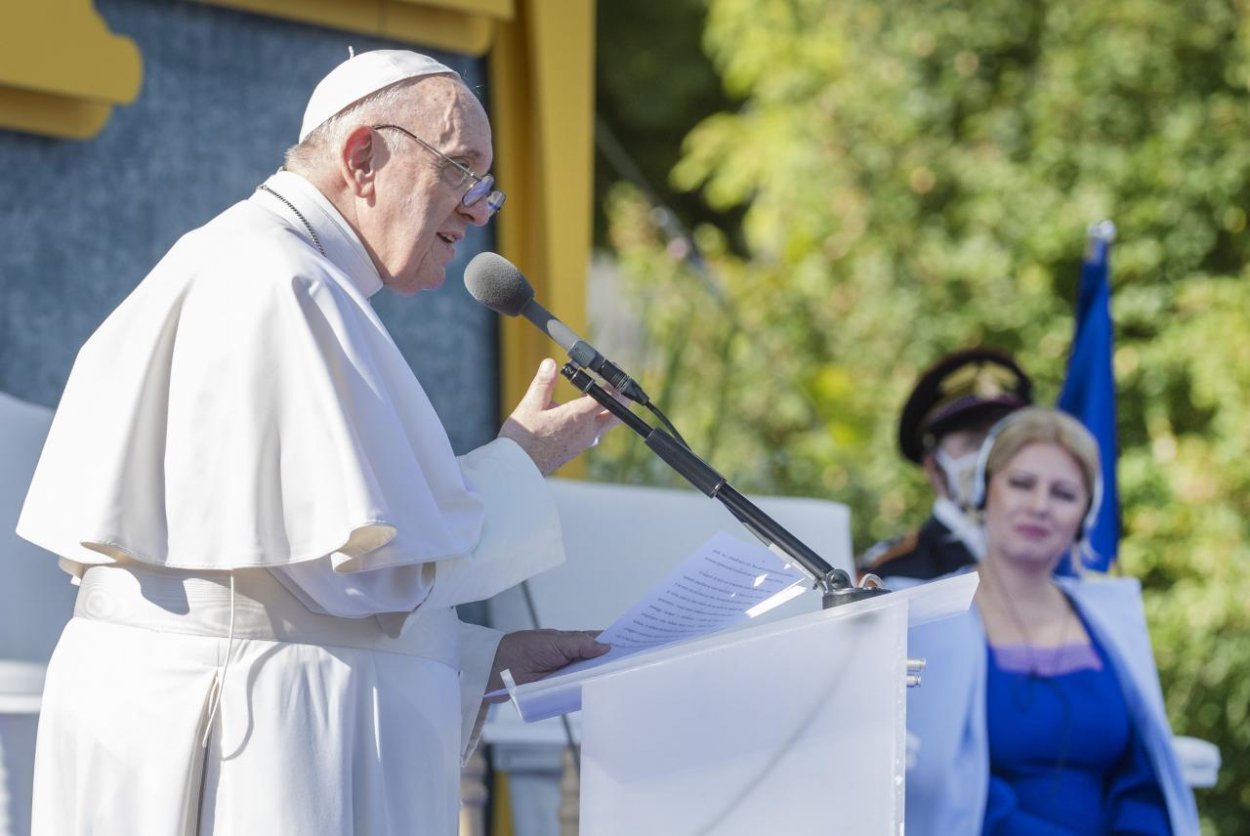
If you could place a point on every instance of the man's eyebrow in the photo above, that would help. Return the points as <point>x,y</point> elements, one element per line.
<point>470,158</point>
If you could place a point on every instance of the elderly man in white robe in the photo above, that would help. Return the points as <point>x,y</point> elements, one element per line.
<point>267,522</point>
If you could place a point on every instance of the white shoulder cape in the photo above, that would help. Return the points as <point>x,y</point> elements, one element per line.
<point>244,407</point>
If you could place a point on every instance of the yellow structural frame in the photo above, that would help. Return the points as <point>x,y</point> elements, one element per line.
<point>541,99</point>
<point>61,69</point>
<point>542,106</point>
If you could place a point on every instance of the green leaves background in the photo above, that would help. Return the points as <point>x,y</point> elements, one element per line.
<point>895,180</point>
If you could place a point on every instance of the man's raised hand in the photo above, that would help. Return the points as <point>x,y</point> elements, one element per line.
<point>553,434</point>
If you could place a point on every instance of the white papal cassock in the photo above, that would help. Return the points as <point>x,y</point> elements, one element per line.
<point>270,530</point>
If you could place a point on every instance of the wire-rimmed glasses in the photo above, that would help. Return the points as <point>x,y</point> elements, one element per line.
<point>483,185</point>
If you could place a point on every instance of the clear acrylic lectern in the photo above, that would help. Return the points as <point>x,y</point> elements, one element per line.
<point>793,727</point>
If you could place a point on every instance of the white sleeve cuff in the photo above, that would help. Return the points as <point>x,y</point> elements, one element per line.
<point>521,536</point>
<point>477,654</point>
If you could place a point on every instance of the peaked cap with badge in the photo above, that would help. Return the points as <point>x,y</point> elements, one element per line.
<point>973,386</point>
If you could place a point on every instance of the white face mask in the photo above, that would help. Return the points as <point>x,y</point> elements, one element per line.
<point>959,472</point>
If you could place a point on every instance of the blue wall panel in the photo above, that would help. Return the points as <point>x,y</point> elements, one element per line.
<point>223,95</point>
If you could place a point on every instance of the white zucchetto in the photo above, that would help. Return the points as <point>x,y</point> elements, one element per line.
<point>362,75</point>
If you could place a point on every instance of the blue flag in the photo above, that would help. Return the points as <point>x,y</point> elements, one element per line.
<point>1089,391</point>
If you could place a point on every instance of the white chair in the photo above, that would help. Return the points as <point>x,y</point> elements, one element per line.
<point>36,599</point>
<point>1199,759</point>
<point>622,540</point>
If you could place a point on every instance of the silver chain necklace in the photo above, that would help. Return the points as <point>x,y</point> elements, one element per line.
<point>1008,604</point>
<point>316,241</point>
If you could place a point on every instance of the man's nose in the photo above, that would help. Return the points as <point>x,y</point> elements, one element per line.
<point>478,214</point>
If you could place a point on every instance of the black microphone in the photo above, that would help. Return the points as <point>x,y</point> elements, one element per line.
<point>496,282</point>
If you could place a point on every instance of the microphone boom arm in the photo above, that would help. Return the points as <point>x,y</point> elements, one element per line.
<point>834,584</point>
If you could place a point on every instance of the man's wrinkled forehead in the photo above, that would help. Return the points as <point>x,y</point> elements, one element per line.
<point>448,114</point>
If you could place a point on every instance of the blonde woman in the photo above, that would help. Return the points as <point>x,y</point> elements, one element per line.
<point>1041,712</point>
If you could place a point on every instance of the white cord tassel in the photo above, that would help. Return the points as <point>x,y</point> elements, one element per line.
<point>220,678</point>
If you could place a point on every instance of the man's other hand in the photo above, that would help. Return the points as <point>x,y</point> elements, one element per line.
<point>533,654</point>
<point>551,433</point>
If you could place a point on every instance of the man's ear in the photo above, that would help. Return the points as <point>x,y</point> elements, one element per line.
<point>359,157</point>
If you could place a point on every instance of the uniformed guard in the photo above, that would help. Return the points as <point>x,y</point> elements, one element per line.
<point>947,416</point>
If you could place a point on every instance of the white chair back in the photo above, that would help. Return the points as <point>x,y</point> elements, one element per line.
<point>36,599</point>
<point>621,540</point>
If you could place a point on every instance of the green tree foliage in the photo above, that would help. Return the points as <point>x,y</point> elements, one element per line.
<point>917,176</point>
<point>652,84</point>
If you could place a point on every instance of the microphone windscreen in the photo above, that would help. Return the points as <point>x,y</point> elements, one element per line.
<point>495,282</point>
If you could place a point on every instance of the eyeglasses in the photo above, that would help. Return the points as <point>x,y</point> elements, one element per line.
<point>483,185</point>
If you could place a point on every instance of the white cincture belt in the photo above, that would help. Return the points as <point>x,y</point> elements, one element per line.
<point>197,603</point>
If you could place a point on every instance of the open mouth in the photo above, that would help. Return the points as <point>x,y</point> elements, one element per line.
<point>447,239</point>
